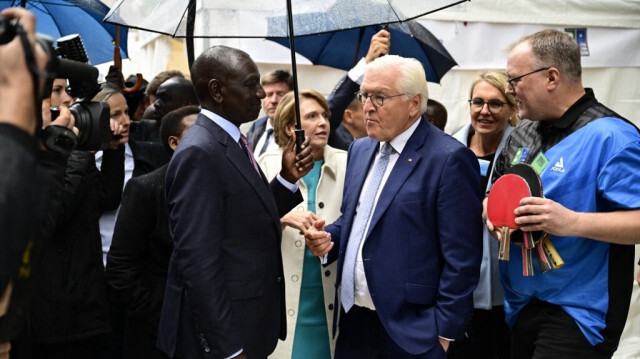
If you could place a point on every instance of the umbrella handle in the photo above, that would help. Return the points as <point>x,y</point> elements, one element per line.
<point>116,49</point>
<point>135,87</point>
<point>117,61</point>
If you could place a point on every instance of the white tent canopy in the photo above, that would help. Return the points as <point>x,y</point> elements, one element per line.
<point>577,13</point>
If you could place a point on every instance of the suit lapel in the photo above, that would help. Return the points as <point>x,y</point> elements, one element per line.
<point>239,160</point>
<point>407,161</point>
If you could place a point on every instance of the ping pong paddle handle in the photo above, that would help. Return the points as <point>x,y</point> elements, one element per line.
<point>527,262</point>
<point>554,257</point>
<point>543,259</point>
<point>505,243</point>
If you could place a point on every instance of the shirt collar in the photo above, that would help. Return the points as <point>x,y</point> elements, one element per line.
<point>269,125</point>
<point>227,126</point>
<point>401,140</point>
<point>578,108</point>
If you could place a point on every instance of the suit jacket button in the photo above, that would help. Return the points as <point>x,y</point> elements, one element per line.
<point>321,204</point>
<point>331,306</point>
<point>279,279</point>
<point>298,243</point>
<point>291,312</point>
<point>295,278</point>
<point>327,273</point>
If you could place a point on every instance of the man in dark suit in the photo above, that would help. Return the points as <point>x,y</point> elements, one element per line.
<point>260,135</point>
<point>409,240</point>
<point>139,255</point>
<point>225,292</point>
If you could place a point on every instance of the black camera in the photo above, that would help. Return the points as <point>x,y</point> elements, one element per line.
<point>69,61</point>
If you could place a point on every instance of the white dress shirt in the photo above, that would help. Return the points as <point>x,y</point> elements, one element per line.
<point>271,146</point>
<point>108,218</point>
<point>362,297</point>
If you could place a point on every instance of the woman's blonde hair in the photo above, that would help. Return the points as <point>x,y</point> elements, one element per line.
<point>497,79</point>
<point>285,113</point>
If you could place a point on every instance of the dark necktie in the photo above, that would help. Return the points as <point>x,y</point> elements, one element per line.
<point>266,140</point>
<point>248,151</point>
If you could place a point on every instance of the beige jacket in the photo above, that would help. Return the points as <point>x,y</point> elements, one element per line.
<point>328,201</point>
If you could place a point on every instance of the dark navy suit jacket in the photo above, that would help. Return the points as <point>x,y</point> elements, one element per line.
<point>224,288</point>
<point>424,245</point>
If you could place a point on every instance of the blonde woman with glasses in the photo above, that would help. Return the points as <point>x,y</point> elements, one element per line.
<point>493,116</point>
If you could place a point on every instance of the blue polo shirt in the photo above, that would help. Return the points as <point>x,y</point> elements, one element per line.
<point>592,165</point>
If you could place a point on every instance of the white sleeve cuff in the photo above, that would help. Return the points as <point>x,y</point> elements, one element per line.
<point>356,74</point>
<point>293,187</point>
<point>235,354</point>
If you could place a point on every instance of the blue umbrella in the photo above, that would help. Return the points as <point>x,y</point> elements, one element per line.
<point>58,18</point>
<point>342,49</point>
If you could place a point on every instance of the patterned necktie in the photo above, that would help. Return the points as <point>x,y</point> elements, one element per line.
<point>248,151</point>
<point>266,141</point>
<point>359,224</point>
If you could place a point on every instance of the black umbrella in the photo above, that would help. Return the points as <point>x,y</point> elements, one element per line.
<point>265,18</point>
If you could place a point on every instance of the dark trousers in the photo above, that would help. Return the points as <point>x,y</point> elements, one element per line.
<point>544,330</point>
<point>362,335</point>
<point>488,337</point>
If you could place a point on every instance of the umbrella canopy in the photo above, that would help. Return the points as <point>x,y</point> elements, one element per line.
<point>58,18</point>
<point>342,49</point>
<point>266,18</point>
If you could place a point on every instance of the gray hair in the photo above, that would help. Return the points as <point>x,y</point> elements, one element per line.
<point>553,48</point>
<point>412,79</point>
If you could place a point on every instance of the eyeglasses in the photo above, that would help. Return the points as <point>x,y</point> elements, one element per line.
<point>376,100</point>
<point>513,82</point>
<point>477,104</point>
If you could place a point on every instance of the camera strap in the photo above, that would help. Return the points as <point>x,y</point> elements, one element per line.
<point>32,66</point>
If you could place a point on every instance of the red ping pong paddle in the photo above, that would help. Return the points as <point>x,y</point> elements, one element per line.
<point>504,198</point>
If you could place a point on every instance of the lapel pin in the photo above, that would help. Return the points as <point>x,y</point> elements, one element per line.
<point>410,160</point>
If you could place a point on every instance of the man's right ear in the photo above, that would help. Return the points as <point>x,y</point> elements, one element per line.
<point>173,142</point>
<point>215,90</point>
<point>347,116</point>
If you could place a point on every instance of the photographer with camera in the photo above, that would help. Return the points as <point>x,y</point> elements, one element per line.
<point>30,177</point>
<point>69,311</point>
<point>68,314</point>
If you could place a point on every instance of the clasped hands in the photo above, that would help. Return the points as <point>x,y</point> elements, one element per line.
<point>312,227</point>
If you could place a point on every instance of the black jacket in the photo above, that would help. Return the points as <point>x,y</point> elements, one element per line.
<point>69,301</point>
<point>29,183</point>
<point>138,260</point>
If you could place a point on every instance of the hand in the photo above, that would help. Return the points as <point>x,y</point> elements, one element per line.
<point>495,233</point>
<point>16,83</point>
<point>318,241</point>
<point>295,166</point>
<point>299,219</point>
<point>114,77</point>
<point>444,343</point>
<point>65,119</point>
<point>116,129</point>
<point>543,214</point>
<point>5,348</point>
<point>380,43</point>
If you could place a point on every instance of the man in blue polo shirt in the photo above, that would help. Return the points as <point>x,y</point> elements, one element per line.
<point>588,158</point>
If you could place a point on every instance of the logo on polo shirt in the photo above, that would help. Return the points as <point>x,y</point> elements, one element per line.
<point>559,166</point>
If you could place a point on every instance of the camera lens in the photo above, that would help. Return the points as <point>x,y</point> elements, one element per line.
<point>92,121</point>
